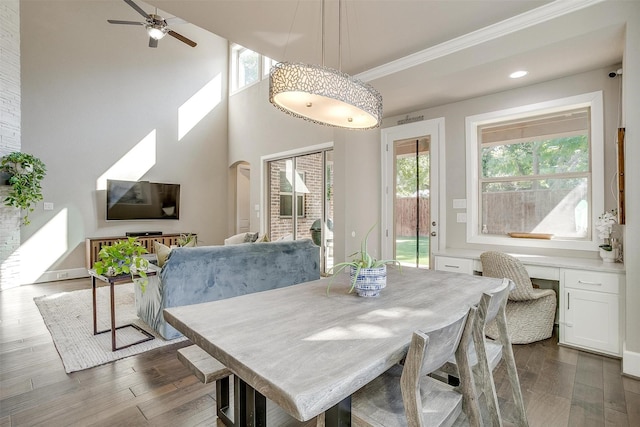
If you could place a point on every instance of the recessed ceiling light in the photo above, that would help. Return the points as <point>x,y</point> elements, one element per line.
<point>518,74</point>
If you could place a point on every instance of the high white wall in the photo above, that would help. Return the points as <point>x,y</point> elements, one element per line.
<point>257,128</point>
<point>91,93</point>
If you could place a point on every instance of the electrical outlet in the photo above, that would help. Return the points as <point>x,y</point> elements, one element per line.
<point>62,275</point>
<point>48,206</point>
<point>461,217</point>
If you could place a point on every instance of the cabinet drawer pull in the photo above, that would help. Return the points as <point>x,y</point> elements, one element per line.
<point>451,266</point>
<point>589,283</point>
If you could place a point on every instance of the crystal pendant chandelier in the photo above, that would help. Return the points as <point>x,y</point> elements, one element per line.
<point>324,95</point>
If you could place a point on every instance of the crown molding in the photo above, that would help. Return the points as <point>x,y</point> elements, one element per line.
<point>508,26</point>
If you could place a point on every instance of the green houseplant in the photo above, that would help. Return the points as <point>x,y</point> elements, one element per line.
<point>25,173</point>
<point>186,240</point>
<point>362,269</point>
<point>123,257</point>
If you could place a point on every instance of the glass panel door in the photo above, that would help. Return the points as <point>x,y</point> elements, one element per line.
<point>301,201</point>
<point>412,201</point>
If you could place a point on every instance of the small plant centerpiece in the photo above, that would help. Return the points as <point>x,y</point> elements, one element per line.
<point>24,172</point>
<point>368,275</point>
<point>604,225</point>
<point>124,257</point>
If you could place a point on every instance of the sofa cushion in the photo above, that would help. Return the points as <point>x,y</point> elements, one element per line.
<point>251,237</point>
<point>162,252</point>
<point>235,239</point>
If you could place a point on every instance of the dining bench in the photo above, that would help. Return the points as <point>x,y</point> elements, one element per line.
<point>205,367</point>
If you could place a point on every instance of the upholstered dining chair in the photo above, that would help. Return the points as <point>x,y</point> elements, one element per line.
<point>485,354</point>
<point>530,312</point>
<point>406,396</point>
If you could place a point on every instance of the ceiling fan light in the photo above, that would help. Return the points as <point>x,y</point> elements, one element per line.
<point>325,96</point>
<point>156,32</point>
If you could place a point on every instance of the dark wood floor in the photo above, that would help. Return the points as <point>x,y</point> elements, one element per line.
<point>561,386</point>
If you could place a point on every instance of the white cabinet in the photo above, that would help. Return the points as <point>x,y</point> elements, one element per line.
<point>590,310</point>
<point>455,265</point>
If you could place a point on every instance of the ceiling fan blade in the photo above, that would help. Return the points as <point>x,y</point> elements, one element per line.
<point>174,20</point>
<point>115,21</point>
<point>182,38</point>
<point>137,8</point>
<point>153,42</point>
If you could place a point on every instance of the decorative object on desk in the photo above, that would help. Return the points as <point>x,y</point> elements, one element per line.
<point>24,172</point>
<point>604,225</point>
<point>523,235</point>
<point>366,272</point>
<point>124,257</point>
<point>68,316</point>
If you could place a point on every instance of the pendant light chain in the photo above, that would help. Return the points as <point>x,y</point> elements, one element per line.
<point>339,35</point>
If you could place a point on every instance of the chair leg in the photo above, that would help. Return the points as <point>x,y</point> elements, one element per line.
<point>512,371</point>
<point>488,385</point>
<point>466,381</point>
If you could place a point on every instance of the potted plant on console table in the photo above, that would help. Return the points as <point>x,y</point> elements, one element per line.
<point>23,173</point>
<point>368,275</point>
<point>123,257</point>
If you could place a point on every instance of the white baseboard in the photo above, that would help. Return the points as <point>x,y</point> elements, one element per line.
<point>631,362</point>
<point>54,275</point>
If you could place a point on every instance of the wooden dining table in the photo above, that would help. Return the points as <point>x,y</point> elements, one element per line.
<point>309,350</point>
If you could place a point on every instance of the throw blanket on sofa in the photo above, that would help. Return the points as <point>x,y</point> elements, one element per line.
<point>208,273</point>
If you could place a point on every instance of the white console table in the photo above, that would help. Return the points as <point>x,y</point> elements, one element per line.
<point>590,292</point>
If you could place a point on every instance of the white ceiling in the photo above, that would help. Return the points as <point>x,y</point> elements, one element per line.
<point>421,53</point>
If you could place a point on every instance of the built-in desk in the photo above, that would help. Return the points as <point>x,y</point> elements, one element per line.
<point>590,291</point>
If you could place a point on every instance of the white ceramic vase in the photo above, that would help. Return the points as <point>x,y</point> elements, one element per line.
<point>609,256</point>
<point>370,281</point>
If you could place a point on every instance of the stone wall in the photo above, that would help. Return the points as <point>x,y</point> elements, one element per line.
<point>9,135</point>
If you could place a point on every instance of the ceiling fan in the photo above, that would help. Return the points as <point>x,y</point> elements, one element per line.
<point>157,27</point>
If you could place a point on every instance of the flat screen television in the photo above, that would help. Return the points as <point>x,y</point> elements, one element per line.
<point>132,200</point>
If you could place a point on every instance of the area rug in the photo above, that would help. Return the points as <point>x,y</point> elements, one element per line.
<point>69,318</point>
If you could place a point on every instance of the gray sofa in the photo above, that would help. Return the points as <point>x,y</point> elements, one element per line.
<point>208,273</point>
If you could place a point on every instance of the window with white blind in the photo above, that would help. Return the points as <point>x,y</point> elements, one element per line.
<point>536,171</point>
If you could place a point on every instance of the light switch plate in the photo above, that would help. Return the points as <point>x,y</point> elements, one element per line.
<point>48,206</point>
<point>459,203</point>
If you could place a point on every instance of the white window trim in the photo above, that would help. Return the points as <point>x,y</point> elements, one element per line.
<point>593,100</point>
<point>263,72</point>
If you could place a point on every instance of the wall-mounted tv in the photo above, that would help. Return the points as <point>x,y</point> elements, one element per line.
<point>131,200</point>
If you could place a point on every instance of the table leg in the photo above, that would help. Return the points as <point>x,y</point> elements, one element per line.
<point>95,316</point>
<point>148,336</point>
<point>113,317</point>
<point>339,415</point>
<point>222,403</point>
<point>251,404</point>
